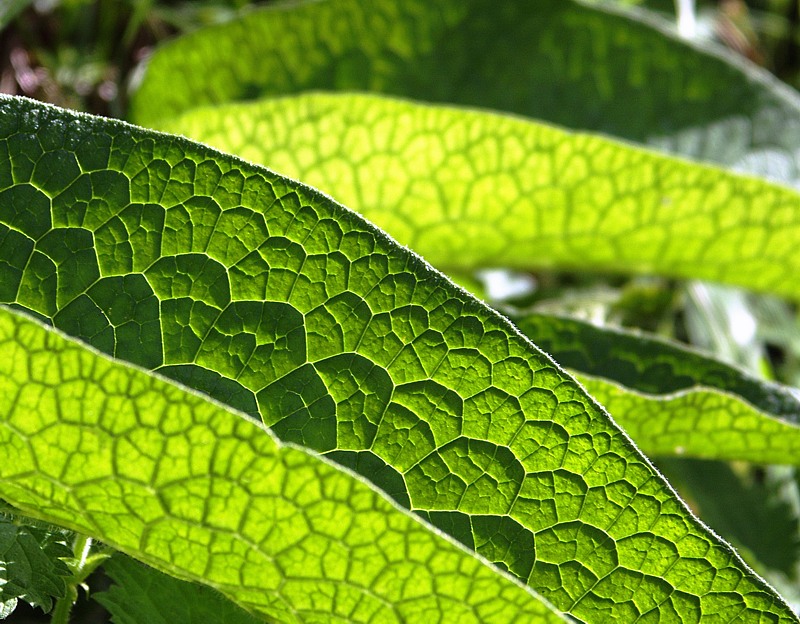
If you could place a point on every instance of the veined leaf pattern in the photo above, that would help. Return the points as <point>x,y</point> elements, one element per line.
<point>185,485</point>
<point>268,295</point>
<point>469,189</point>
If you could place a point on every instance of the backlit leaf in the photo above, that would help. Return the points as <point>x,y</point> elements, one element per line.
<point>269,295</point>
<point>193,489</point>
<point>580,66</point>
<point>671,399</point>
<point>468,189</point>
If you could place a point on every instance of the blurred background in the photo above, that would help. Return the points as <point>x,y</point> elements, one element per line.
<point>84,55</point>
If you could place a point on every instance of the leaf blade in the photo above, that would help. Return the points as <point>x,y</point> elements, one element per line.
<point>700,422</point>
<point>624,74</point>
<point>349,343</point>
<point>162,450</point>
<point>142,594</point>
<point>537,196</point>
<point>31,566</point>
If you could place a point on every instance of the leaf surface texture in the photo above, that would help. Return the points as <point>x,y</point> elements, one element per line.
<point>563,61</point>
<point>198,491</point>
<point>469,189</point>
<point>269,296</point>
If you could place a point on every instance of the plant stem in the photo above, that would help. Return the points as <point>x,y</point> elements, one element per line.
<point>63,607</point>
<point>80,548</point>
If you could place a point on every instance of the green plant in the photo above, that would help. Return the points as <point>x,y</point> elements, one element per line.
<point>390,388</point>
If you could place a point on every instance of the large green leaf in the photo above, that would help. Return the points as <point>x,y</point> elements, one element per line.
<point>270,296</point>
<point>468,189</point>
<point>188,486</point>
<point>558,60</point>
<point>671,399</point>
<point>368,152</point>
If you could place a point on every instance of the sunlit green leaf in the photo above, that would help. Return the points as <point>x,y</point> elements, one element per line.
<point>700,422</point>
<point>198,491</point>
<point>468,189</point>
<point>270,296</point>
<point>562,61</point>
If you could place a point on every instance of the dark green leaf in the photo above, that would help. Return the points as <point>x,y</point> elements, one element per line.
<point>31,566</point>
<point>650,364</point>
<point>143,595</point>
<point>562,61</point>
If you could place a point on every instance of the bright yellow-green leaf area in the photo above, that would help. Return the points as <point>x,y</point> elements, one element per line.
<point>468,188</point>
<point>700,422</point>
<point>568,62</point>
<point>671,399</point>
<point>202,493</point>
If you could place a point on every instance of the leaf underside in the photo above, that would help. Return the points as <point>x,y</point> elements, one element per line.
<point>267,294</point>
<point>205,494</point>
<point>578,66</point>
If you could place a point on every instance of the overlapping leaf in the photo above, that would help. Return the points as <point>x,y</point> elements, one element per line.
<point>673,400</point>
<point>404,166</point>
<point>269,295</point>
<point>142,594</point>
<point>196,490</point>
<point>567,201</point>
<point>469,189</point>
<point>701,423</point>
<point>579,66</point>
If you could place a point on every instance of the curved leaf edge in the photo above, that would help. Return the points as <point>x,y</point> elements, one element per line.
<point>35,514</point>
<point>769,397</point>
<point>416,263</point>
